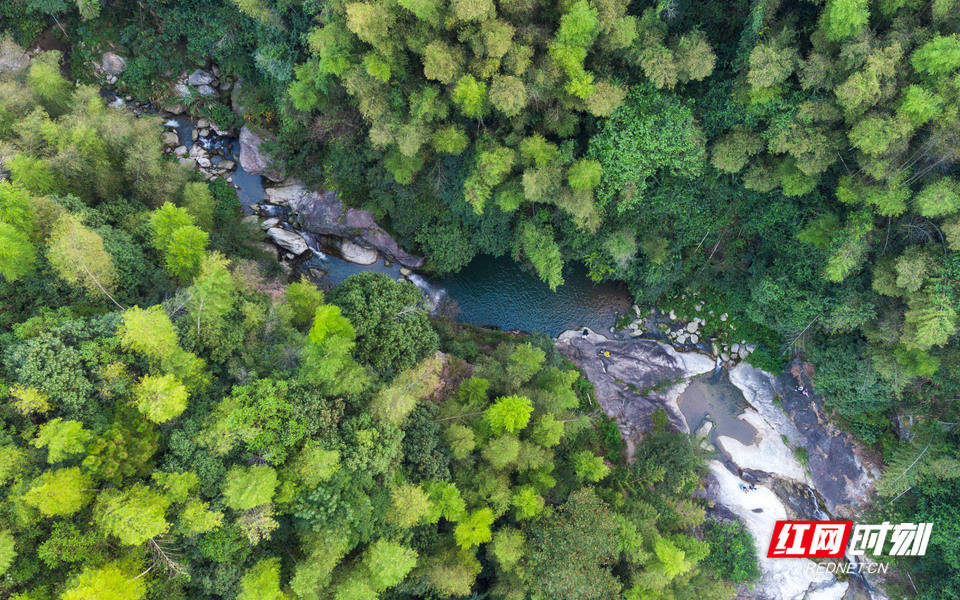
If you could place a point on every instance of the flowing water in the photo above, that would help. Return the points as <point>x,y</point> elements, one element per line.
<point>489,291</point>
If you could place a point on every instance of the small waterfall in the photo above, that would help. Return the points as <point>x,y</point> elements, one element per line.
<point>434,294</point>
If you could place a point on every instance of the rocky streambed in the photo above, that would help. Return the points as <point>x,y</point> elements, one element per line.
<point>801,466</point>
<point>769,435</point>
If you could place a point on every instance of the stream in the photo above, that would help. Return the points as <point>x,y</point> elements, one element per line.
<point>490,291</point>
<point>498,292</point>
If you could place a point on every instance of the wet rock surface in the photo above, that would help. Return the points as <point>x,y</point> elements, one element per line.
<point>13,59</point>
<point>632,378</point>
<point>253,159</point>
<point>324,214</point>
<point>841,470</point>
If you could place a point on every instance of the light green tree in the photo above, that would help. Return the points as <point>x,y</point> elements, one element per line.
<point>46,83</point>
<point>589,467</point>
<point>28,400</point>
<point>474,529</point>
<point>77,255</point>
<point>394,402</point>
<point>471,96</point>
<point>133,514</point>
<point>196,517</point>
<point>527,503</point>
<point>507,547</point>
<point>112,581</point>
<point>460,439</point>
<point>502,451</point>
<point>540,248</point>
<point>939,198</point>
<point>62,439</point>
<point>8,550</point>
<point>59,492</point>
<point>304,299</point>
<point>160,397</point>
<point>249,487</point>
<point>842,19</point>
<point>18,256</point>
<point>508,414</point>
<point>445,501</point>
<point>211,296</point>
<point>198,200</point>
<point>409,504</point>
<point>176,486</point>
<point>185,252</point>
<point>387,563</point>
<point>939,56</point>
<point>262,581</point>
<point>149,332</point>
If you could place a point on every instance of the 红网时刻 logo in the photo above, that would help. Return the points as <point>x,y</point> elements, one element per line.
<point>834,539</point>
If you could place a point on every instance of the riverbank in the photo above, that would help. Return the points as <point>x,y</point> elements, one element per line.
<point>769,436</point>
<point>632,377</point>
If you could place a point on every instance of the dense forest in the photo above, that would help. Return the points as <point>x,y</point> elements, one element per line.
<point>180,423</point>
<point>180,419</point>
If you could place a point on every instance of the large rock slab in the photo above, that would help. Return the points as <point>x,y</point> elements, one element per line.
<point>783,578</point>
<point>253,159</point>
<point>632,378</point>
<point>200,77</point>
<point>323,213</point>
<point>288,240</point>
<point>113,64</point>
<point>356,253</point>
<point>13,59</point>
<point>838,467</point>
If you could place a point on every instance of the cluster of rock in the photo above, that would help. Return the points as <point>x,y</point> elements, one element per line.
<point>112,66</point>
<point>206,149</point>
<point>199,83</point>
<point>687,334</point>
<point>634,377</point>
<point>279,242</point>
<point>352,232</point>
<point>310,217</point>
<point>13,58</point>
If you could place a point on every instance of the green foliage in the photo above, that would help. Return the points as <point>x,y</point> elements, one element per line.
<point>732,553</point>
<point>132,515</point>
<point>62,439</point>
<point>650,133</point>
<point>508,414</point>
<point>181,242</point>
<point>590,467</point>
<point>844,18</point>
<point>539,247</point>
<point>408,505</point>
<point>18,255</point>
<point>113,581</point>
<point>160,397</point>
<point>149,332</point>
<point>262,581</point>
<point>77,254</point>
<point>388,563</point>
<point>304,299</point>
<point>249,487</point>
<point>474,529</point>
<point>59,493</point>
<point>572,552</point>
<point>392,330</point>
<point>8,551</point>
<point>393,403</point>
